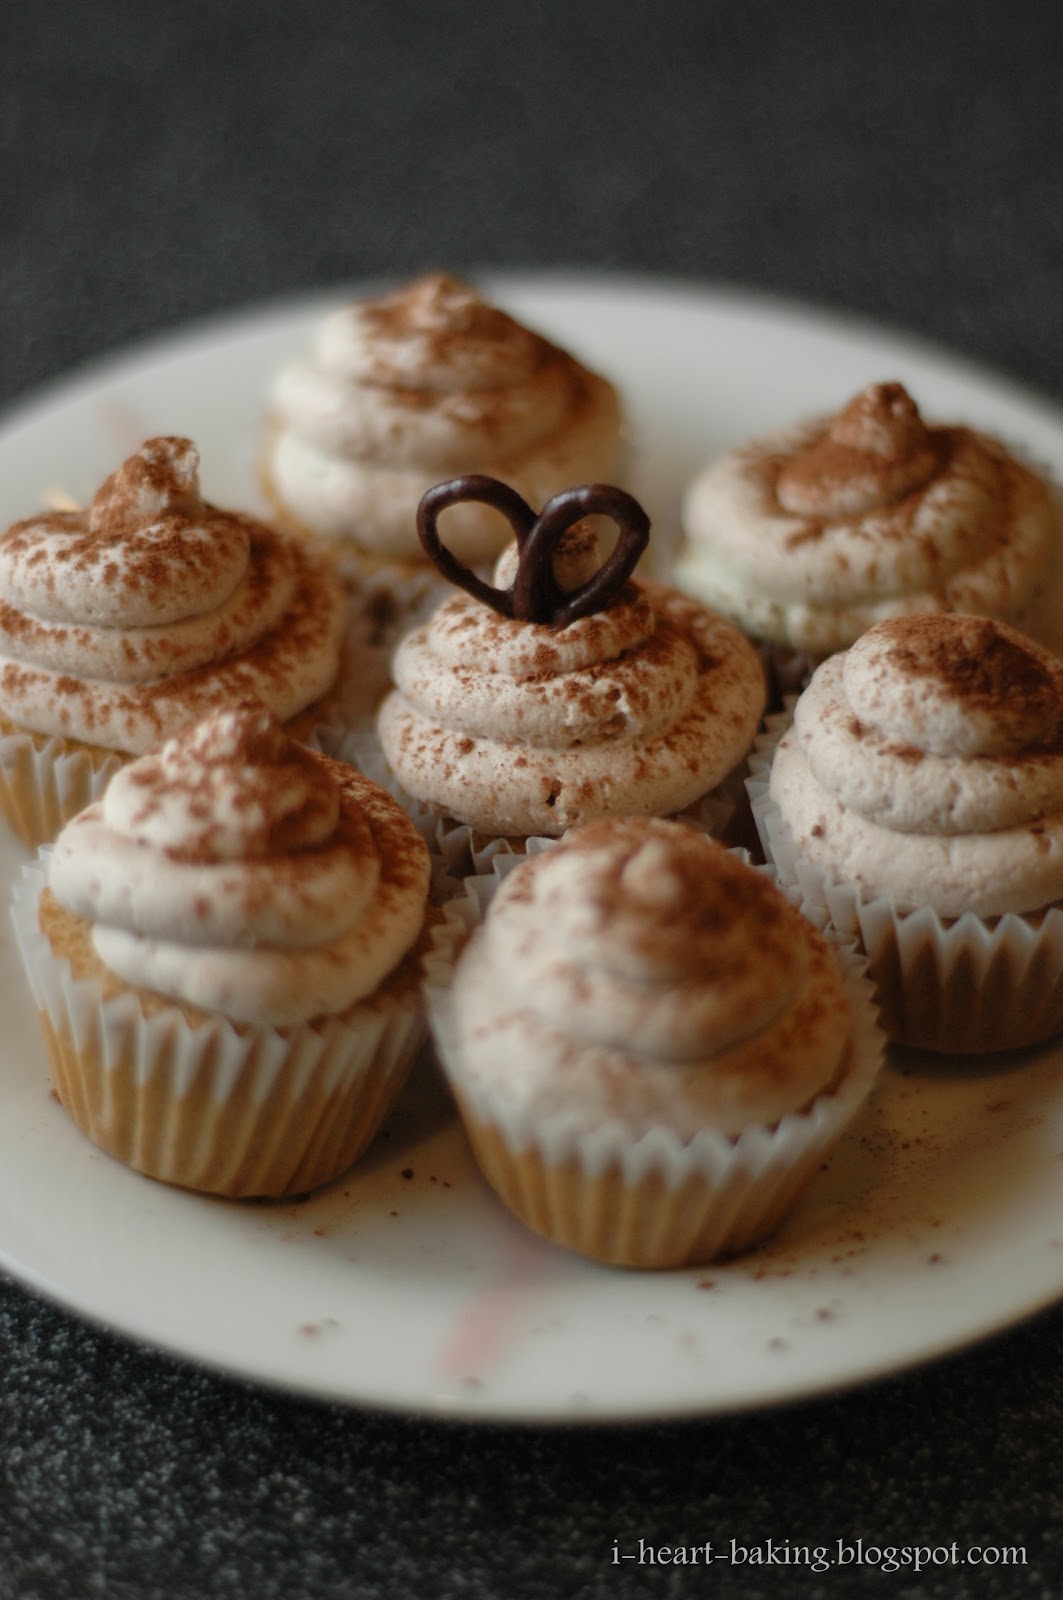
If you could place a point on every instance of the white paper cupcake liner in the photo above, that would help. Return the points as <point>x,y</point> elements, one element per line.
<point>959,986</point>
<point>758,775</point>
<point>42,788</point>
<point>645,1197</point>
<point>231,1110</point>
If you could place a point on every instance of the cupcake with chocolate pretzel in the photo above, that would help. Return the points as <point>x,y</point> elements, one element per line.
<point>225,953</point>
<point>121,623</point>
<point>809,536</point>
<point>565,690</point>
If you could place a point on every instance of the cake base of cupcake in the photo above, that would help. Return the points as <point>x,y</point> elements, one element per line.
<point>651,1223</point>
<point>259,1117</point>
<point>45,780</point>
<point>641,1196</point>
<point>962,988</point>
<point>233,1109</point>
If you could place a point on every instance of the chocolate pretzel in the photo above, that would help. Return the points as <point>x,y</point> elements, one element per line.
<point>535,595</point>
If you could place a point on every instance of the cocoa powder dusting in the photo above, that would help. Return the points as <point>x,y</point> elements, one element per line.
<point>980,662</point>
<point>877,450</point>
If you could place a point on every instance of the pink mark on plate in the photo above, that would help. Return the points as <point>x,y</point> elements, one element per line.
<point>485,1330</point>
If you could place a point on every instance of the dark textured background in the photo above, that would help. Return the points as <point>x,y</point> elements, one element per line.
<point>901,160</point>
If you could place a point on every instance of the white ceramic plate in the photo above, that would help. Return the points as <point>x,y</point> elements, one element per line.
<point>938,1220</point>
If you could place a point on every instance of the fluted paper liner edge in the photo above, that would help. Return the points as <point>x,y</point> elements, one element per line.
<point>230,1110</point>
<point>650,1200</point>
<point>961,986</point>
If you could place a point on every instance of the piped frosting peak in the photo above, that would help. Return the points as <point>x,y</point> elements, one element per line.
<point>808,536</point>
<point>242,873</point>
<point>599,695</point>
<point>926,763</point>
<point>399,392</point>
<point>638,971</point>
<point>122,621</point>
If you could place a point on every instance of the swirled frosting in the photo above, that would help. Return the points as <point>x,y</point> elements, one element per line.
<point>926,763</point>
<point>519,728</point>
<point>122,622</point>
<point>638,971</point>
<point>809,536</point>
<point>423,384</point>
<point>241,873</point>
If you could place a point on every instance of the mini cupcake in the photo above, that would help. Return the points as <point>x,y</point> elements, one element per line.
<point>809,536</point>
<point>652,1050</point>
<point>400,392</point>
<point>223,953</point>
<point>566,692</point>
<point>919,796</point>
<point>121,623</point>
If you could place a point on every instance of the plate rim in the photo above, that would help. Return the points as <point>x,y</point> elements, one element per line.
<point>249,322</point>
